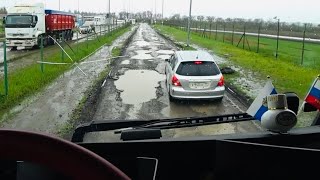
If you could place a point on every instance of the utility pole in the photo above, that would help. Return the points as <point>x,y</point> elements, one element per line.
<point>155,10</point>
<point>277,49</point>
<point>189,23</point>
<point>109,17</point>
<point>162,12</point>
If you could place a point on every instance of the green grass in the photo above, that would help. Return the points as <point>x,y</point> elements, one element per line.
<point>116,51</point>
<point>29,80</point>
<point>1,30</point>
<point>286,76</point>
<point>290,51</point>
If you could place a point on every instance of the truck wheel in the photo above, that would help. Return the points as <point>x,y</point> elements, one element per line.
<point>71,35</point>
<point>14,48</point>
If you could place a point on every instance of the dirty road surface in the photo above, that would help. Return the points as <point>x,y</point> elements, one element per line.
<point>136,89</point>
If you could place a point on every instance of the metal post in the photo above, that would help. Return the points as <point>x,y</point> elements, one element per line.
<point>244,35</point>
<point>258,45</point>
<point>304,36</point>
<point>232,33</point>
<point>109,23</point>
<point>87,41</point>
<point>278,39</point>
<point>162,13</point>
<point>41,53</point>
<point>6,87</point>
<point>189,22</point>
<point>224,30</point>
<point>77,42</point>
<point>62,53</point>
<point>210,30</point>
<point>216,31</point>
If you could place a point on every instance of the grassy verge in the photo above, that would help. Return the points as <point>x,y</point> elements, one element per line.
<point>29,80</point>
<point>286,76</point>
<point>289,50</point>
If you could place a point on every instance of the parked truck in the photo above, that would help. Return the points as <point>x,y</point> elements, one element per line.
<point>26,24</point>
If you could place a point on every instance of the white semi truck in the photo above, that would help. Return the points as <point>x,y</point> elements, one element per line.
<point>25,24</point>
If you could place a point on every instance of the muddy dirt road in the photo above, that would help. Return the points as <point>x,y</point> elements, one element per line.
<point>136,89</point>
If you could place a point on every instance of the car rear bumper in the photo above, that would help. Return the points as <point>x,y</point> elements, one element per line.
<point>180,93</point>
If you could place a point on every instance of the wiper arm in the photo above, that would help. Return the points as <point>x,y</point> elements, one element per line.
<point>121,126</point>
<point>191,122</point>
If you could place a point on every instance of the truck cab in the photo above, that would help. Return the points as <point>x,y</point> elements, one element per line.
<point>24,24</point>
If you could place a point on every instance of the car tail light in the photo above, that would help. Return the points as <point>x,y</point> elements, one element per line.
<point>198,62</point>
<point>175,81</point>
<point>221,81</point>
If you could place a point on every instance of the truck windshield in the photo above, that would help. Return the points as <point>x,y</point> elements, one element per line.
<point>19,21</point>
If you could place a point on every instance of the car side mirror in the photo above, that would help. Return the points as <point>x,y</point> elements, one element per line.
<point>167,60</point>
<point>4,20</point>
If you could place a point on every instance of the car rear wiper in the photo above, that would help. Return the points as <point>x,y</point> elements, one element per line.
<point>141,126</point>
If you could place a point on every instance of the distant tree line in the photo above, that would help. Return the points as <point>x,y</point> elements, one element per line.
<point>3,10</point>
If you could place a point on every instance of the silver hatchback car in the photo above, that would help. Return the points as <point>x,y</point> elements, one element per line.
<point>193,75</point>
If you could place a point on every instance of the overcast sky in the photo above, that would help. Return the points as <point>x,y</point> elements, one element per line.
<point>286,10</point>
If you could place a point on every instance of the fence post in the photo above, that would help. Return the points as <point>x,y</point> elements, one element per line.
<point>62,53</point>
<point>77,42</point>
<point>244,35</point>
<point>224,30</point>
<point>5,68</point>
<point>216,31</point>
<point>100,31</point>
<point>258,45</point>
<point>210,26</point>
<point>87,39</point>
<point>41,53</point>
<point>232,33</point>
<point>304,36</point>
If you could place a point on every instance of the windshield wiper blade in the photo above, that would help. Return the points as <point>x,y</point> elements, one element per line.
<point>191,122</point>
<point>122,125</point>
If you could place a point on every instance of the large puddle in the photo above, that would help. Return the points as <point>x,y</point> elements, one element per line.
<point>138,86</point>
<point>142,43</point>
<point>142,55</point>
<point>164,57</point>
<point>169,52</point>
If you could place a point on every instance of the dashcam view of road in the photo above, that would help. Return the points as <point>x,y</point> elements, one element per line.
<point>62,66</point>
<point>159,89</point>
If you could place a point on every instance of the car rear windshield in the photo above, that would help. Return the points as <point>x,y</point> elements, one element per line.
<point>198,68</point>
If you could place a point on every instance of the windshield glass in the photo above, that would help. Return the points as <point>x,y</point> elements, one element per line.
<point>19,21</point>
<point>198,68</point>
<point>142,60</point>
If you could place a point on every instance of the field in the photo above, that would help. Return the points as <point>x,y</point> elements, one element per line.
<point>31,79</point>
<point>290,51</point>
<point>286,74</point>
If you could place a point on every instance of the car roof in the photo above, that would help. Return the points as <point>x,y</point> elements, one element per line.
<point>193,56</point>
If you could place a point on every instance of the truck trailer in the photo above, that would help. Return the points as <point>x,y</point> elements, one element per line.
<point>25,25</point>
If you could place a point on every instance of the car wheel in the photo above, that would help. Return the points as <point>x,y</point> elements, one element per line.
<point>171,99</point>
<point>218,99</point>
